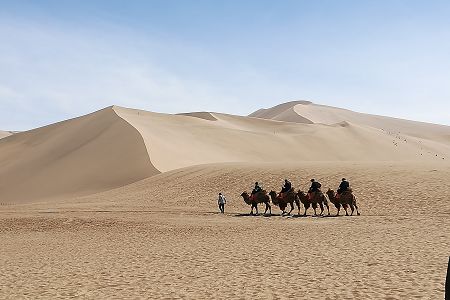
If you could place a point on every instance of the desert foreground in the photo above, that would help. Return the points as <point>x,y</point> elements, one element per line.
<point>162,237</point>
<point>122,203</point>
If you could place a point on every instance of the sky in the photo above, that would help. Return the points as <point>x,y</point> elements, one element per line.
<point>61,59</point>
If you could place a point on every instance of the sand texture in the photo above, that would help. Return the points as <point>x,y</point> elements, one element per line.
<point>121,204</point>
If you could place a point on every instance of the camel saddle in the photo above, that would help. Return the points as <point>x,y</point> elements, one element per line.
<point>349,191</point>
<point>253,196</point>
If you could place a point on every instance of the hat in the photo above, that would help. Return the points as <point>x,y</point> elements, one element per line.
<point>256,182</point>
<point>220,193</point>
<point>343,179</point>
<point>312,180</point>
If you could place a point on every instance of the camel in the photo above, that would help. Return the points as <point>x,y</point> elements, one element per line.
<point>282,202</point>
<point>346,199</point>
<point>319,198</point>
<point>260,197</point>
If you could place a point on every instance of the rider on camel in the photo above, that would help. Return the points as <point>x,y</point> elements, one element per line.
<point>343,187</point>
<point>315,187</point>
<point>256,189</point>
<point>286,187</point>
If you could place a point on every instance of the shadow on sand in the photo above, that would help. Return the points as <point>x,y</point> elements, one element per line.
<point>285,216</point>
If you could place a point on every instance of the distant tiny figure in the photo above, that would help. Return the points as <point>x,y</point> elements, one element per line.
<point>221,201</point>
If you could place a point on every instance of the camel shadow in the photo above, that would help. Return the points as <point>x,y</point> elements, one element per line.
<point>255,215</point>
<point>315,216</point>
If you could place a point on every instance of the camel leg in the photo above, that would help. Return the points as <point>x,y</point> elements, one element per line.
<point>328,208</point>
<point>321,208</point>
<point>352,208</point>
<point>297,202</point>
<point>346,212</point>
<point>314,205</point>
<point>268,208</point>
<point>357,212</point>
<point>256,208</point>
<point>307,205</point>
<point>292,208</point>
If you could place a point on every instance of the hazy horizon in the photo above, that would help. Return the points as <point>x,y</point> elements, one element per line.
<point>59,60</point>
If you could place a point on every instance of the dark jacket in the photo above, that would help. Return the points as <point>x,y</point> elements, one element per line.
<point>315,186</point>
<point>344,186</point>
<point>287,187</point>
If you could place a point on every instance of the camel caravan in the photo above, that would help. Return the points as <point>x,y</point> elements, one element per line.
<point>314,198</point>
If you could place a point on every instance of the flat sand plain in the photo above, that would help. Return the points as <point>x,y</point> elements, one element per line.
<point>163,238</point>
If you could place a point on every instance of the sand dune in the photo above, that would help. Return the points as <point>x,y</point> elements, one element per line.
<point>117,146</point>
<point>180,141</point>
<point>308,112</point>
<point>85,155</point>
<point>4,134</point>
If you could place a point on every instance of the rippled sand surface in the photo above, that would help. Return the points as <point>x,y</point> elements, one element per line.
<point>144,241</point>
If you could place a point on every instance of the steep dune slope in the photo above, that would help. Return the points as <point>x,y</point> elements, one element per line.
<point>85,155</point>
<point>4,134</point>
<point>299,111</point>
<point>176,141</point>
<point>277,112</point>
<point>117,146</point>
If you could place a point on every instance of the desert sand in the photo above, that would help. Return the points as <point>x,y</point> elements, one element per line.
<point>121,203</point>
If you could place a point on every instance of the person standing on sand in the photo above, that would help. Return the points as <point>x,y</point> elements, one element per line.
<point>221,201</point>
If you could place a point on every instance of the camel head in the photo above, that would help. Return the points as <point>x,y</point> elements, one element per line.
<point>244,194</point>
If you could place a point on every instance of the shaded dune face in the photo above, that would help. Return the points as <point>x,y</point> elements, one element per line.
<point>81,156</point>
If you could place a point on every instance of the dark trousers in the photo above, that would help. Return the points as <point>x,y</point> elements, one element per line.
<point>222,207</point>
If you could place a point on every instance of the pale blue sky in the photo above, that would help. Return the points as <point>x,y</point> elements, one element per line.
<point>60,59</point>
